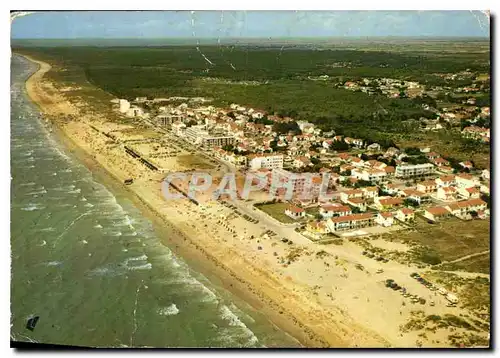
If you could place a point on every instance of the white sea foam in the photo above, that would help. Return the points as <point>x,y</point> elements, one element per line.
<point>98,226</point>
<point>53,263</point>
<point>89,205</point>
<point>27,184</point>
<point>83,198</point>
<point>36,192</point>
<point>147,266</point>
<point>84,242</point>
<point>43,243</point>
<point>137,258</point>
<point>76,191</point>
<point>48,229</point>
<point>32,207</point>
<point>64,188</point>
<point>175,264</point>
<point>234,321</point>
<point>169,311</point>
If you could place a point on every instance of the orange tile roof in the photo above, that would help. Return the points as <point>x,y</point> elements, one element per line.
<point>295,209</point>
<point>336,208</point>
<point>437,211</point>
<point>391,201</point>
<point>407,211</point>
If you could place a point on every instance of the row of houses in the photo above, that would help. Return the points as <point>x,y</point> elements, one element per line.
<point>358,221</point>
<point>477,133</point>
<point>461,209</point>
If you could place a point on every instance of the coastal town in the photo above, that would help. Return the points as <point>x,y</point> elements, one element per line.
<point>336,231</point>
<point>372,188</point>
<point>251,179</point>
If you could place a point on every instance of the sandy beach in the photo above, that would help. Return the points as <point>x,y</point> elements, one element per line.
<point>323,300</point>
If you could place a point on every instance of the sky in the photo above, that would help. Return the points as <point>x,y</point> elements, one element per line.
<point>213,24</point>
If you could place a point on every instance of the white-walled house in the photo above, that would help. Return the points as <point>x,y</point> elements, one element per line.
<point>465,180</point>
<point>295,212</point>
<point>385,219</point>
<point>328,210</point>
<point>447,193</point>
<point>405,215</point>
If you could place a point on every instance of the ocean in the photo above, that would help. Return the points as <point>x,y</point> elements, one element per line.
<point>91,265</point>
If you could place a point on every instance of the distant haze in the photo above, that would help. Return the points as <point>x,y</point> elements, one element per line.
<point>248,24</point>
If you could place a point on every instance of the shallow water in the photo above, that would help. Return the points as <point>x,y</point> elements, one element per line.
<point>91,265</point>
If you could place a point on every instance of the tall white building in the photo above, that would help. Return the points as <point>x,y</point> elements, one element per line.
<point>269,161</point>
<point>124,105</point>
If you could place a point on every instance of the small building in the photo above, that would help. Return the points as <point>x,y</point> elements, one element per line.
<point>441,162</point>
<point>124,105</point>
<point>350,194</point>
<point>391,188</point>
<point>405,215</point>
<point>432,155</point>
<point>370,192</point>
<point>446,169</point>
<point>447,193</point>
<point>436,213</point>
<point>373,147</point>
<point>465,180</point>
<point>469,193</point>
<point>317,227</point>
<point>385,219</point>
<point>427,186</point>
<point>466,165</point>
<point>387,202</point>
<point>372,175</point>
<point>445,180</point>
<point>295,212</point>
<point>349,222</point>
<point>415,195</point>
<point>328,210</point>
<point>358,203</point>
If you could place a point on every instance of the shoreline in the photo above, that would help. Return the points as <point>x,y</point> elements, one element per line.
<point>260,291</point>
<point>182,245</point>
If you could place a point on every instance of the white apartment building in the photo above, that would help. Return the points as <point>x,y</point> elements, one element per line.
<point>373,175</point>
<point>281,178</point>
<point>410,170</point>
<point>200,135</point>
<point>269,161</point>
<point>124,105</point>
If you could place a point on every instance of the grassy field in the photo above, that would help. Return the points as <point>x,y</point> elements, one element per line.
<point>277,211</point>
<point>194,161</point>
<point>449,144</point>
<point>451,239</point>
<point>477,264</point>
